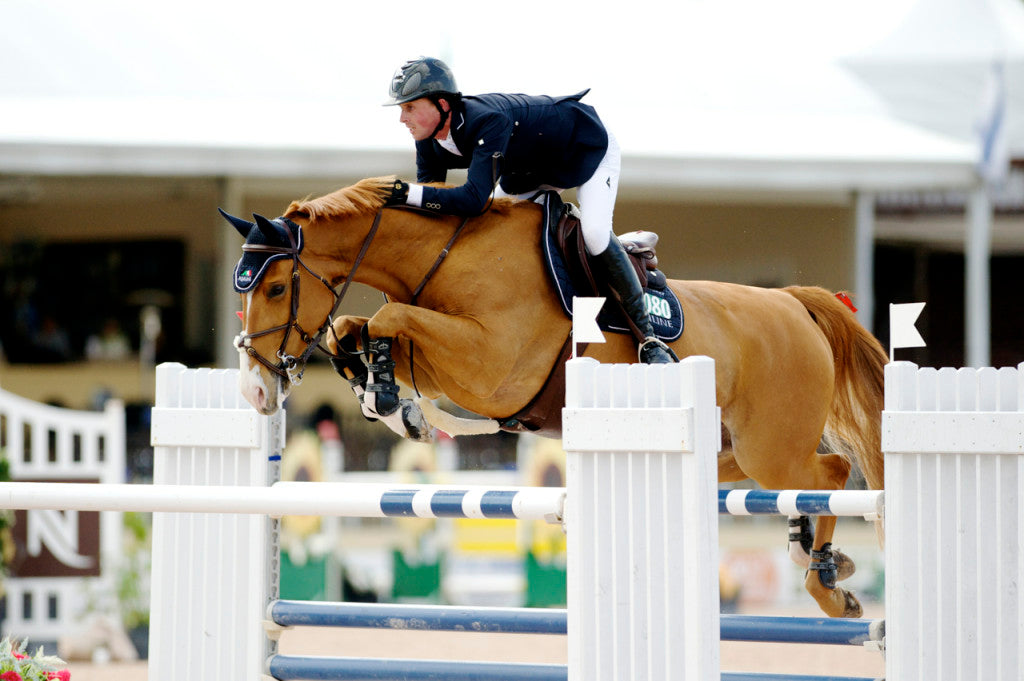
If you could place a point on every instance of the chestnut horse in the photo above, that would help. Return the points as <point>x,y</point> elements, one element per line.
<point>796,373</point>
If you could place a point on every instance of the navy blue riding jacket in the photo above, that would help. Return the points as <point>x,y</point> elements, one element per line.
<point>557,141</point>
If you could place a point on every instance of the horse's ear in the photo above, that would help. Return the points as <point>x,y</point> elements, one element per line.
<point>268,229</point>
<point>243,226</point>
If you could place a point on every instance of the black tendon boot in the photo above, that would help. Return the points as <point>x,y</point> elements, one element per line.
<point>350,366</point>
<point>381,381</point>
<point>620,275</point>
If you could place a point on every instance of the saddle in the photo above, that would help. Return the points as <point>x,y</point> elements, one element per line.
<point>568,235</point>
<point>569,266</point>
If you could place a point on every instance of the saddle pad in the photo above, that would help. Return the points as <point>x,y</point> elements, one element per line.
<point>662,304</point>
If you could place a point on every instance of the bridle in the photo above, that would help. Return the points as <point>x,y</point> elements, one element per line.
<point>288,366</point>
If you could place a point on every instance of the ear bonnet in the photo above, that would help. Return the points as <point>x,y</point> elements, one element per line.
<point>265,241</point>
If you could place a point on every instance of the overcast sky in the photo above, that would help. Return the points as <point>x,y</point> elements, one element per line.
<point>315,72</point>
<point>233,48</point>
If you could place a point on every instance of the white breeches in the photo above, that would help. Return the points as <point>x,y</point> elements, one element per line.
<point>596,197</point>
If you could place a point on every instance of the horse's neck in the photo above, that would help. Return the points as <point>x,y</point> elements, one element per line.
<point>402,251</point>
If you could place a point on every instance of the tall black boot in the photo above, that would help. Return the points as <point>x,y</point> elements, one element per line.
<point>620,275</point>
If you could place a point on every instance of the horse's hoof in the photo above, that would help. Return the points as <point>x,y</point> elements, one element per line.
<point>845,567</point>
<point>839,603</point>
<point>852,605</point>
<point>416,426</point>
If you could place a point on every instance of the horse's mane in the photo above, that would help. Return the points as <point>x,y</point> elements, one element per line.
<point>365,196</point>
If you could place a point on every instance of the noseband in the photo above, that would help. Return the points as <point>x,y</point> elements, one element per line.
<point>288,366</point>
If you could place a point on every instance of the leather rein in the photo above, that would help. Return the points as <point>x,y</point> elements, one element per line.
<point>288,366</point>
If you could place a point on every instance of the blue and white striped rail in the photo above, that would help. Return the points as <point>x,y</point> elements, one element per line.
<point>403,616</point>
<point>357,500</point>
<point>382,500</point>
<point>867,503</point>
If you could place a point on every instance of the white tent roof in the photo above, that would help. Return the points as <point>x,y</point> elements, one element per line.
<point>696,98</point>
<point>932,69</point>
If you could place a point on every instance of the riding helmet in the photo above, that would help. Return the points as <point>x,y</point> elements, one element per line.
<point>421,77</point>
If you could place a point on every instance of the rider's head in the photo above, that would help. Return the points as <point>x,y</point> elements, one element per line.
<point>425,89</point>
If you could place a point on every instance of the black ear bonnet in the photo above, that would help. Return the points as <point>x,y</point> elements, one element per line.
<point>263,232</point>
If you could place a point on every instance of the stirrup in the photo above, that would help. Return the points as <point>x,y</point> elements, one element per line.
<point>656,342</point>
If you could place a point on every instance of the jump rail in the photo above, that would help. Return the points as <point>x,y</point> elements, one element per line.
<point>383,500</point>
<point>867,503</point>
<point>354,500</point>
<point>408,617</point>
<point>312,668</point>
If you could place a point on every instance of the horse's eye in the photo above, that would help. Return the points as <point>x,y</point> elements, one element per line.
<point>275,291</point>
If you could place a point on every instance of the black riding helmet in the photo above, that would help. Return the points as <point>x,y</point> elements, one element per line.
<point>424,77</point>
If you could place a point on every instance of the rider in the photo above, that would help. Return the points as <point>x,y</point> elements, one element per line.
<point>533,142</point>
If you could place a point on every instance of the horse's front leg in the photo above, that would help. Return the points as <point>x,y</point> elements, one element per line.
<point>373,381</point>
<point>459,348</point>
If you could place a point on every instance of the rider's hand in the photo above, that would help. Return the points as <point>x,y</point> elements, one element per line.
<point>399,194</point>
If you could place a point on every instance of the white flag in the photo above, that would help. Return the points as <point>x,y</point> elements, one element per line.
<point>584,320</point>
<point>902,332</point>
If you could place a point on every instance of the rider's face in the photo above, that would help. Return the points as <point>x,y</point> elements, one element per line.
<point>421,117</point>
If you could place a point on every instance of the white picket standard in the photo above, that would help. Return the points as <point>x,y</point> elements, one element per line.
<point>642,520</point>
<point>213,574</point>
<point>954,520</point>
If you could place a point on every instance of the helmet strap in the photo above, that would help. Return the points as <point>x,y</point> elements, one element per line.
<point>444,115</point>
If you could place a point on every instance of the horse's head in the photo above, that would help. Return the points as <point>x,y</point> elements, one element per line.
<point>286,309</point>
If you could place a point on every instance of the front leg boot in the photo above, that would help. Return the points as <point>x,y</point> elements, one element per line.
<point>349,365</point>
<point>381,390</point>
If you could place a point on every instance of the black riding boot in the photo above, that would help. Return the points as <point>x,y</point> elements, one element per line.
<point>620,275</point>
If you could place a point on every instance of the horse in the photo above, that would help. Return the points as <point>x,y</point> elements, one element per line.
<point>799,380</point>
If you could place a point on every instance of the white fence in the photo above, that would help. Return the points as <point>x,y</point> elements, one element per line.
<point>42,442</point>
<point>640,512</point>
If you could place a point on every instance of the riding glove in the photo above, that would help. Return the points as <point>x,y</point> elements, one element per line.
<point>399,194</point>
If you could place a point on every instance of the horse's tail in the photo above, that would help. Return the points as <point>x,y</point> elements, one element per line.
<point>855,417</point>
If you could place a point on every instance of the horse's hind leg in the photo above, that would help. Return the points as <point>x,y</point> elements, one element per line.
<point>801,543</point>
<point>815,471</point>
<point>827,565</point>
